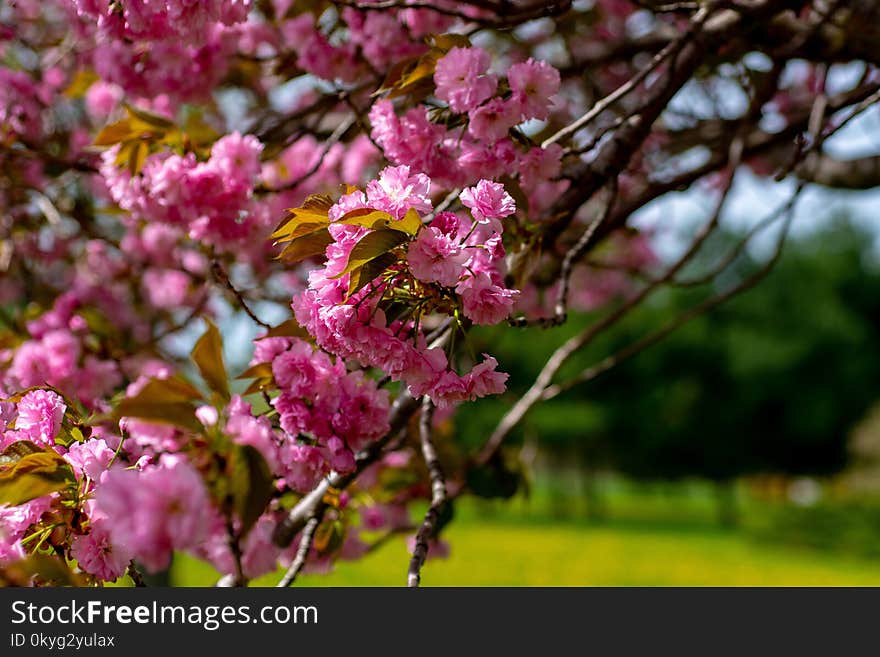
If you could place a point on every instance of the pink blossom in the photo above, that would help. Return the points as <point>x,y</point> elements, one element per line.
<point>237,159</point>
<point>488,202</point>
<point>484,302</point>
<point>533,83</point>
<point>347,203</point>
<point>14,523</point>
<point>96,555</point>
<point>245,429</point>
<point>39,415</point>
<point>102,98</point>
<point>305,465</point>
<point>491,121</point>
<point>461,79</point>
<point>435,257</point>
<point>396,191</point>
<point>483,380</point>
<point>165,288</point>
<point>90,458</point>
<point>154,511</point>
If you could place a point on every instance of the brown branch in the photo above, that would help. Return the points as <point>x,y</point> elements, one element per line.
<point>428,528</point>
<point>672,49</point>
<point>647,341</point>
<point>574,344</point>
<point>223,278</point>
<point>302,550</point>
<point>313,503</point>
<point>329,143</point>
<point>575,253</point>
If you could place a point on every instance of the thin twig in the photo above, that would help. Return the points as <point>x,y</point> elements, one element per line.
<point>223,278</point>
<point>302,551</point>
<point>669,50</point>
<point>560,312</point>
<point>640,345</point>
<point>428,528</point>
<point>330,142</point>
<point>574,344</point>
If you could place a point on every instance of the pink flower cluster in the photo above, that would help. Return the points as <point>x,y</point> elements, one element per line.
<point>456,253</point>
<point>162,19</point>
<point>485,150</point>
<point>150,513</point>
<point>36,417</point>
<point>173,69</point>
<point>328,414</point>
<point>211,200</point>
<point>21,104</point>
<point>462,80</point>
<point>55,356</point>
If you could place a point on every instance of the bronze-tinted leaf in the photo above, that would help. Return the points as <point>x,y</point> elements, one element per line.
<point>312,212</point>
<point>149,119</point>
<point>329,536</point>
<point>365,275</point>
<point>307,246</point>
<point>81,82</point>
<point>166,401</point>
<point>18,450</point>
<point>258,371</point>
<point>251,485</point>
<point>288,328</point>
<point>115,133</point>
<point>208,357</point>
<point>371,246</point>
<point>45,568</point>
<point>33,475</point>
<point>446,42</point>
<point>378,220</point>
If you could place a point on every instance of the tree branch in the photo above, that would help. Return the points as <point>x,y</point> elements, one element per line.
<point>428,529</point>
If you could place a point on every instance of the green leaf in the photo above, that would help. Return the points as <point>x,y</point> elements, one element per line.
<point>371,246</point>
<point>252,485</point>
<point>365,275</point>
<point>307,246</point>
<point>208,357</point>
<point>32,474</point>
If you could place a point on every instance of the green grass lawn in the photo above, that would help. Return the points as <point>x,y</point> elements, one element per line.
<point>504,552</point>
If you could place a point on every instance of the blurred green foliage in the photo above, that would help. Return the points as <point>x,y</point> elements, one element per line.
<point>771,381</point>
